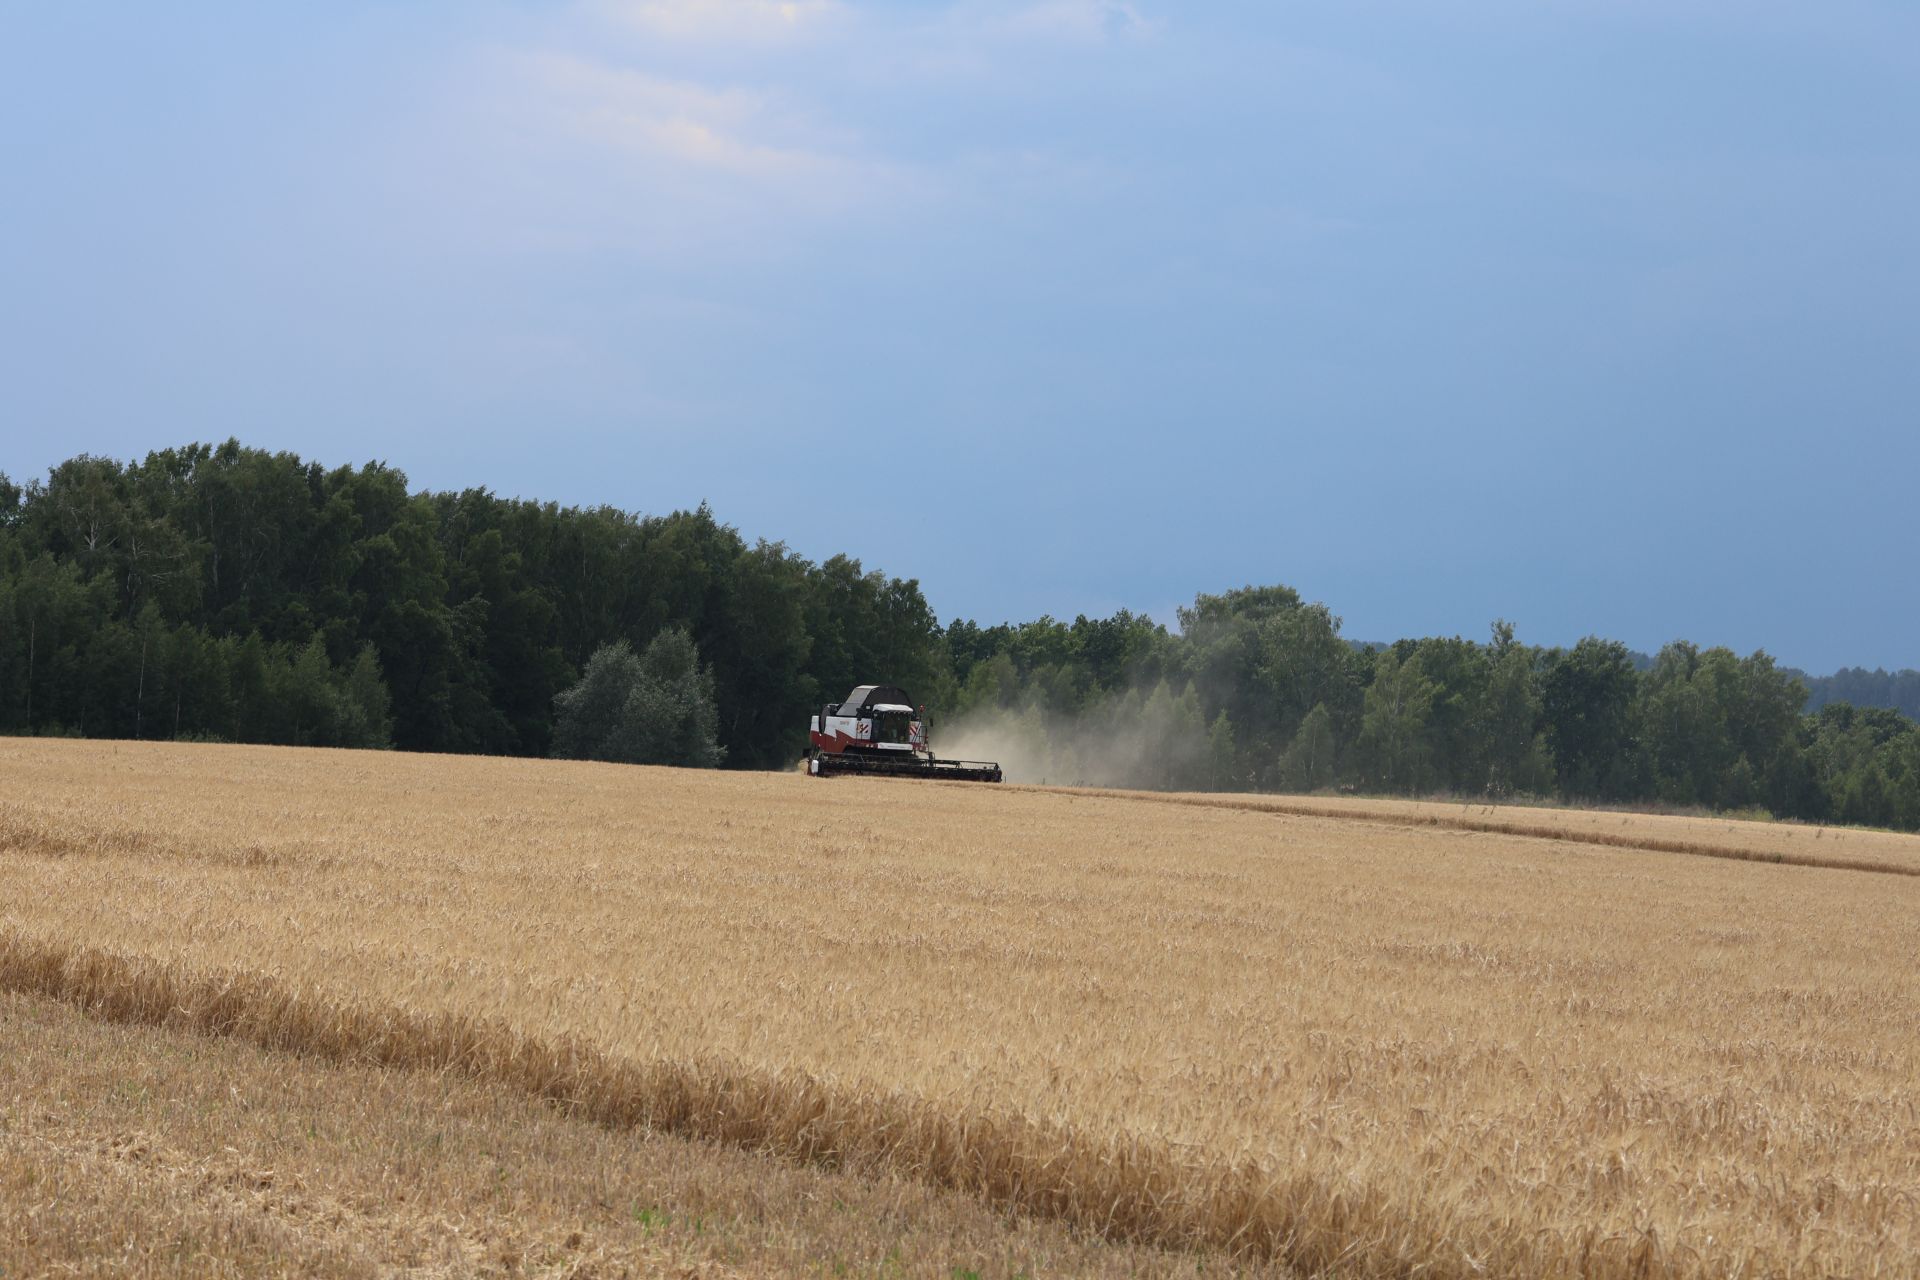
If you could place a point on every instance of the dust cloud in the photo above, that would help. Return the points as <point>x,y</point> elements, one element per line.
<point>1153,743</point>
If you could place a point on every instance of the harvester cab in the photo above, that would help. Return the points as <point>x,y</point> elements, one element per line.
<point>877,731</point>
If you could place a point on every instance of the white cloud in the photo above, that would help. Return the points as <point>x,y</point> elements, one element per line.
<point>673,126</point>
<point>622,127</point>
<point>769,21</point>
<point>725,20</point>
<point>1085,20</point>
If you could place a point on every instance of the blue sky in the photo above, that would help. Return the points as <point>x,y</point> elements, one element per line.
<point>1598,315</point>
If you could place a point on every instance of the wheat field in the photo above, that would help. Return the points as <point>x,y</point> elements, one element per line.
<point>148,1152</point>
<point>1335,1039</point>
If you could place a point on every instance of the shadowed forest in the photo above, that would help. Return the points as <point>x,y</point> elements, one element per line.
<point>228,593</point>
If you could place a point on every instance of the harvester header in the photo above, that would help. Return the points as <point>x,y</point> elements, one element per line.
<point>877,731</point>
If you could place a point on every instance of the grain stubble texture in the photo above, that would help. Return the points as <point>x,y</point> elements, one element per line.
<point>149,1152</point>
<point>1367,1047</point>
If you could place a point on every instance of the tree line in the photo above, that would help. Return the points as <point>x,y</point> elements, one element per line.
<point>1258,691</point>
<point>231,593</point>
<point>1898,690</point>
<point>228,593</point>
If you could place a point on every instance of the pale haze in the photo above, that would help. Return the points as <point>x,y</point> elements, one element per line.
<point>1600,317</point>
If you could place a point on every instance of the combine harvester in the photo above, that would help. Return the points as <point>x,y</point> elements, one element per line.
<point>876,732</point>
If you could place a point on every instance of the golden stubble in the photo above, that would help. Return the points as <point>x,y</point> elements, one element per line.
<point>136,1151</point>
<point>1350,1041</point>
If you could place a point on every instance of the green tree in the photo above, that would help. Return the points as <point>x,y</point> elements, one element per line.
<point>1509,719</point>
<point>656,707</point>
<point>1309,763</point>
<point>1267,657</point>
<point>365,709</point>
<point>1223,763</point>
<point>1393,725</point>
<point>1684,729</point>
<point>1587,701</point>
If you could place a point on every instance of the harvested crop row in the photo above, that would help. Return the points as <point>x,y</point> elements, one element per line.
<point>1138,1191</point>
<point>1401,1048</point>
<point>1131,1191</point>
<point>142,1153</point>
<point>1740,840</point>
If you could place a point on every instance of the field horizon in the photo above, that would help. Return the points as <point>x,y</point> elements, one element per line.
<point>1307,1033</point>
